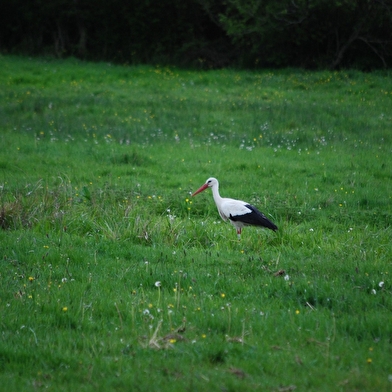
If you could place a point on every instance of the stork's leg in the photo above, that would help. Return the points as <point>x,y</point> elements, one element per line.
<point>239,233</point>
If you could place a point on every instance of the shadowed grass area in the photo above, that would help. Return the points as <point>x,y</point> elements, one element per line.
<point>113,277</point>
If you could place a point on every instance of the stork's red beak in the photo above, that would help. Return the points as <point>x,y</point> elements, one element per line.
<point>201,189</point>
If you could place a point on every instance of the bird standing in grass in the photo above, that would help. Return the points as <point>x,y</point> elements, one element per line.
<point>238,212</point>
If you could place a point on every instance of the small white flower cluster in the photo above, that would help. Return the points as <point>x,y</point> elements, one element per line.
<point>170,216</point>
<point>381,285</point>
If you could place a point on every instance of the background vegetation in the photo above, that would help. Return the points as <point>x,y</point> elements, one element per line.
<point>204,33</point>
<point>113,278</point>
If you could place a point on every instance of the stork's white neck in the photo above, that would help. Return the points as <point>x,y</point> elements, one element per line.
<point>216,195</point>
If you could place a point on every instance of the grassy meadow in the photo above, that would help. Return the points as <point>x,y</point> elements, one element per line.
<point>113,278</point>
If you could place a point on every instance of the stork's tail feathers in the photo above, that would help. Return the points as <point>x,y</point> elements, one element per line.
<point>270,225</point>
<point>265,222</point>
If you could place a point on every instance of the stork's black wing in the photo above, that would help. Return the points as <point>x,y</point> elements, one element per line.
<point>254,217</point>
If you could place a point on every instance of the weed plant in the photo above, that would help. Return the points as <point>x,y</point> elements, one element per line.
<point>114,278</point>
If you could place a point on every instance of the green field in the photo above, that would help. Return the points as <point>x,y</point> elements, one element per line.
<point>113,278</point>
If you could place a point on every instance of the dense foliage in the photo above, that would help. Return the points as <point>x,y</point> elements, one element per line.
<point>205,33</point>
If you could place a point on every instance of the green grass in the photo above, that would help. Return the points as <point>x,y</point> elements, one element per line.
<point>97,164</point>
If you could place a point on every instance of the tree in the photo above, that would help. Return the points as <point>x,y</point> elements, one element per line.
<point>307,32</point>
<point>207,33</point>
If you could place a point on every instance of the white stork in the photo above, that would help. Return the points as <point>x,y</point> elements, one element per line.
<point>238,212</point>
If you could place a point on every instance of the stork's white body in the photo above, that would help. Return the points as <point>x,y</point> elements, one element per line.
<point>230,207</point>
<point>238,212</point>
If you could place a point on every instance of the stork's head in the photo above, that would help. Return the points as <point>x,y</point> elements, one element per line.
<point>210,183</point>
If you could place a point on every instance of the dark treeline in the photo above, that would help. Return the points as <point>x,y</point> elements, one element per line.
<point>204,33</point>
